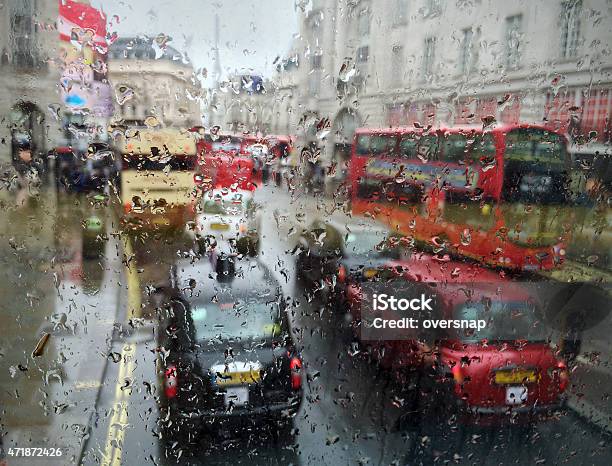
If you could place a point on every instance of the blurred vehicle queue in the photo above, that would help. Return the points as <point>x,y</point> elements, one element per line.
<point>482,194</point>
<point>466,213</point>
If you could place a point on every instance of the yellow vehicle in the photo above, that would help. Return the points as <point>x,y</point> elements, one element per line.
<point>157,184</point>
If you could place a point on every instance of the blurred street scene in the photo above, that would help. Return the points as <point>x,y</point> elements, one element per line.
<point>200,202</point>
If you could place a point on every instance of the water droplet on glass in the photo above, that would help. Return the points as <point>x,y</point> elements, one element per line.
<point>131,133</point>
<point>488,120</point>
<point>151,121</point>
<point>592,259</point>
<point>347,71</point>
<point>123,94</point>
<point>487,163</point>
<point>466,237</point>
<point>54,110</point>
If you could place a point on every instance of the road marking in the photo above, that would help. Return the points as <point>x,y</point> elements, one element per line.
<point>87,384</point>
<point>133,283</point>
<point>118,423</point>
<point>122,421</point>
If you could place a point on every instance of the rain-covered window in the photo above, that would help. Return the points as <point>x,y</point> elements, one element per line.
<point>400,12</point>
<point>467,53</point>
<point>305,232</point>
<point>570,27</point>
<point>429,57</point>
<point>397,66</point>
<point>513,37</point>
<point>23,33</point>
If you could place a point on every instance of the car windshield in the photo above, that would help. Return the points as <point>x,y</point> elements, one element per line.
<point>504,321</point>
<point>225,206</point>
<point>239,320</point>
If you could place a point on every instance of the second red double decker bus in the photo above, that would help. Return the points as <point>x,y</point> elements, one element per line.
<point>497,194</point>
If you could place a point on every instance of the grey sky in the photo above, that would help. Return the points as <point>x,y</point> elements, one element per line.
<point>252,32</point>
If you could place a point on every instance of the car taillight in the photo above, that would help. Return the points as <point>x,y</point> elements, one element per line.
<point>170,382</point>
<point>295,365</point>
<point>341,274</point>
<point>127,207</point>
<point>458,377</point>
<point>561,374</point>
<point>242,228</point>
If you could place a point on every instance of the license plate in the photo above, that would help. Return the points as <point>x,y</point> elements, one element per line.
<point>219,226</point>
<point>515,377</point>
<point>516,395</point>
<point>224,379</point>
<point>237,396</point>
<point>370,273</point>
<point>161,221</point>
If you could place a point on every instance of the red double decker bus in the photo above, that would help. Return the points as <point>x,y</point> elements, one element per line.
<point>498,195</point>
<point>225,161</point>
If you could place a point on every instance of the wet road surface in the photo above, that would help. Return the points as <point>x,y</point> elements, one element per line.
<point>93,390</point>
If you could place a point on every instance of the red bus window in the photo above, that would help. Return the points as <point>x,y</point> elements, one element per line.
<point>483,150</point>
<point>368,144</point>
<point>408,146</point>
<point>363,144</point>
<point>534,145</point>
<point>427,148</point>
<point>454,148</point>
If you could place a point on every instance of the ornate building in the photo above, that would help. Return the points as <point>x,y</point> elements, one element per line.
<point>150,78</point>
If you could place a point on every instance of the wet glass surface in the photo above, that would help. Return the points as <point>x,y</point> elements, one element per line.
<point>305,232</point>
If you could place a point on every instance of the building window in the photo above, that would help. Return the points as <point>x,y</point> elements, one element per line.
<point>314,82</point>
<point>429,51</point>
<point>23,34</point>
<point>316,18</point>
<point>570,27</point>
<point>596,111</point>
<point>514,28</point>
<point>363,23</point>
<point>400,13</point>
<point>466,53</point>
<point>397,66</point>
<point>316,61</point>
<point>363,54</point>
<point>432,9</point>
<point>317,5</point>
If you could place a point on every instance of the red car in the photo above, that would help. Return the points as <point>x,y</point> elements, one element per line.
<point>507,367</point>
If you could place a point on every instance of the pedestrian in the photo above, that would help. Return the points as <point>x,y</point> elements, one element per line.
<point>28,172</point>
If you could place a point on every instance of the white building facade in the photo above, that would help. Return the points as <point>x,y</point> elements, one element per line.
<point>383,63</point>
